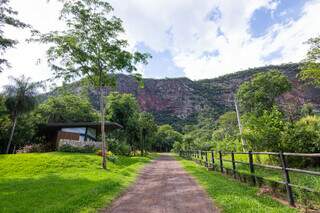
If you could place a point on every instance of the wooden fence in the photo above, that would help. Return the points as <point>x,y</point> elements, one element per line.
<point>215,161</point>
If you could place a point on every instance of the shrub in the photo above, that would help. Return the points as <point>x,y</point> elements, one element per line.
<point>33,148</point>
<point>303,136</point>
<point>110,156</point>
<point>84,149</point>
<point>124,149</point>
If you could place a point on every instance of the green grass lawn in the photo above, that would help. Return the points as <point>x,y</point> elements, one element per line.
<point>62,182</point>
<point>230,195</point>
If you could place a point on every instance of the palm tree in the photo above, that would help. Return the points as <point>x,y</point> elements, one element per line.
<point>20,99</point>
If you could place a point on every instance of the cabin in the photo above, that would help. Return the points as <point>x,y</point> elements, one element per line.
<point>78,134</point>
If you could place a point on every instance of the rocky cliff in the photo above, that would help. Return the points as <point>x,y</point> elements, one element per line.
<point>180,100</point>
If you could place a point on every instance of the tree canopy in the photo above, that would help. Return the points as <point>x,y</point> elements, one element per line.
<point>311,65</point>
<point>66,108</point>
<point>261,91</point>
<point>166,137</point>
<point>20,99</point>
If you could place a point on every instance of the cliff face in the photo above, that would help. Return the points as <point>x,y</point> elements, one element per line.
<point>178,101</point>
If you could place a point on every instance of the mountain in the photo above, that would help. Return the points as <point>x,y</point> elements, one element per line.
<point>180,101</point>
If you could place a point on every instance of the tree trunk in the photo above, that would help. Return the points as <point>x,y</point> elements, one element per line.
<point>243,141</point>
<point>12,132</point>
<point>103,133</point>
<point>141,142</point>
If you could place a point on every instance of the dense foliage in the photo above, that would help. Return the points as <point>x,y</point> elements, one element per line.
<point>66,108</point>
<point>165,138</point>
<point>259,94</point>
<point>267,124</point>
<point>311,66</point>
<point>19,100</point>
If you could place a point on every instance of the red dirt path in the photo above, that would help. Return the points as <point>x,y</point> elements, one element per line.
<point>163,187</point>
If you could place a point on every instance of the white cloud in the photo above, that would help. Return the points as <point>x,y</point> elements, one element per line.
<point>184,28</point>
<point>43,16</point>
<point>192,34</point>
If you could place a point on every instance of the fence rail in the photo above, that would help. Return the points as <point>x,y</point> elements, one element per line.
<point>218,164</point>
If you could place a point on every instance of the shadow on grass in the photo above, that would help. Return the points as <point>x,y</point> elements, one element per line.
<point>53,193</point>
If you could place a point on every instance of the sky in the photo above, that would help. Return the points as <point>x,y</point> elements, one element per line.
<point>197,39</point>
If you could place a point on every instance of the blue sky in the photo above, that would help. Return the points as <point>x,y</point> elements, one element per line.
<point>187,38</point>
<point>261,22</point>
<point>285,11</point>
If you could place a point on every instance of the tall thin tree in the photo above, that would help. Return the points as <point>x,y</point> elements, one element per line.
<point>91,47</point>
<point>20,99</point>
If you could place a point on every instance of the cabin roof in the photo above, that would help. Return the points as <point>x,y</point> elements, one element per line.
<point>95,125</point>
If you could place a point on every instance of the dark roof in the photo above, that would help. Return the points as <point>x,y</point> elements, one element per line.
<point>95,125</point>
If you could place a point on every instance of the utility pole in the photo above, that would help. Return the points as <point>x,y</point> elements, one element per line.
<point>243,141</point>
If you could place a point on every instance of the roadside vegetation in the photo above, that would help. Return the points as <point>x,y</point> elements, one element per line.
<point>63,182</point>
<point>230,195</point>
<point>269,119</point>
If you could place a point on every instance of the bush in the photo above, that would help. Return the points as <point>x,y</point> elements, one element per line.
<point>124,149</point>
<point>33,148</point>
<point>110,156</point>
<point>120,148</point>
<point>85,149</point>
<point>303,136</point>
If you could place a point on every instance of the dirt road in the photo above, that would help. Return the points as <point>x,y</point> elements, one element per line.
<point>163,187</point>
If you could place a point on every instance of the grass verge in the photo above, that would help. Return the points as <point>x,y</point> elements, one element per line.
<point>231,196</point>
<point>63,182</point>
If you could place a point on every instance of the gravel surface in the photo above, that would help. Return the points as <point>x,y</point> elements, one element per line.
<point>163,186</point>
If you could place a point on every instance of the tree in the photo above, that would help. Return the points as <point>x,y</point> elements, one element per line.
<point>228,123</point>
<point>264,132</point>
<point>227,132</point>
<point>166,137</point>
<point>66,108</point>
<point>7,18</point>
<point>124,109</point>
<point>148,129</point>
<point>2,106</point>
<point>20,99</point>
<point>304,136</point>
<point>260,92</point>
<point>310,66</point>
<point>91,47</point>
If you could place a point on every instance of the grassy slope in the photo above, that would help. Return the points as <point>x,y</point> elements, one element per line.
<point>61,182</point>
<point>232,196</point>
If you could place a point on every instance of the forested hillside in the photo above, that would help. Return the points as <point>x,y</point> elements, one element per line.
<point>180,101</point>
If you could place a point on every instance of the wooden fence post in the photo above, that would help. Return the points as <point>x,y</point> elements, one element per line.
<point>212,159</point>
<point>252,168</point>
<point>233,165</point>
<point>221,161</point>
<point>286,178</point>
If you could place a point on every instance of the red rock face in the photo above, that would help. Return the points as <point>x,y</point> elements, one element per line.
<point>181,98</point>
